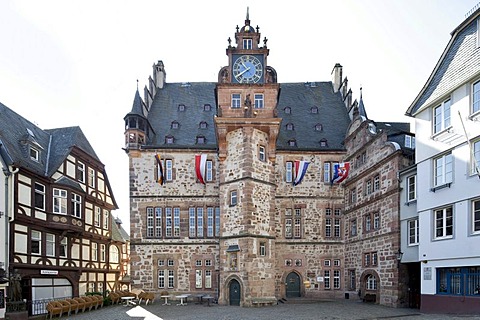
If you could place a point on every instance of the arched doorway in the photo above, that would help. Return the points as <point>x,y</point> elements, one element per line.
<point>292,289</point>
<point>369,286</point>
<point>234,293</point>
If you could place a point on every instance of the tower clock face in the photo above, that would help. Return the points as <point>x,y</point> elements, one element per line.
<point>247,69</point>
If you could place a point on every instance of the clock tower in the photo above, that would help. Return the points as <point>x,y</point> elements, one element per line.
<point>247,127</point>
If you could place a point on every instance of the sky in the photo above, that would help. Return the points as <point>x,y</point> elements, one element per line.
<point>76,63</point>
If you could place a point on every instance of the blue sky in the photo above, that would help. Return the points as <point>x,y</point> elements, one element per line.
<point>69,63</point>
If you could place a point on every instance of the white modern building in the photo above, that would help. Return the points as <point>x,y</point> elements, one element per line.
<point>447,123</point>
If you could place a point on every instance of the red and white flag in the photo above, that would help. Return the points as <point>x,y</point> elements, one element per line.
<point>200,163</point>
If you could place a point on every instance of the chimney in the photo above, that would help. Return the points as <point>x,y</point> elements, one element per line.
<point>159,74</point>
<point>337,77</point>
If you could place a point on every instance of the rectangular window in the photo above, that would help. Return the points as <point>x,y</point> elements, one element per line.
<point>352,285</point>
<point>297,227</point>
<point>336,279</point>
<point>288,228</point>
<point>36,242</point>
<point>263,249</point>
<point>81,172</point>
<point>209,170</point>
<point>374,259</point>
<point>176,222</point>
<point>411,188</point>
<point>326,279</point>
<point>169,170</point>
<point>328,171</point>
<point>368,187</point>
<point>368,223</point>
<point>288,171</point>
<point>376,183</point>
<point>198,279</point>
<point>443,170</point>
<point>476,157</point>
<point>91,178</point>
<point>328,227</point>
<point>217,221</point>
<point>353,227</point>
<point>200,222</point>
<point>158,222</point>
<point>476,216</point>
<point>94,251</point>
<point>413,232</point>
<point>443,223</point>
<point>150,222</point>
<point>327,262</point>
<point>76,205</point>
<point>409,142</point>
<point>98,216</point>
<point>192,230</point>
<point>476,94</point>
<point>233,198</point>
<point>461,281</point>
<point>161,278</point>
<point>210,222</point>
<point>106,219</point>
<point>376,221</point>
<point>336,227</point>
<point>59,201</point>
<point>171,279</point>
<point>336,262</point>
<point>366,260</point>
<point>441,117</point>
<point>63,247</point>
<point>261,153</point>
<point>247,43</point>
<point>258,101</point>
<point>168,222</point>
<point>39,196</point>
<point>236,100</point>
<point>103,253</point>
<point>208,279</point>
<point>34,154</point>
<point>50,244</point>
<point>353,196</point>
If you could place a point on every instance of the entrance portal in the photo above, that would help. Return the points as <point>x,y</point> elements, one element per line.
<point>234,293</point>
<point>293,285</point>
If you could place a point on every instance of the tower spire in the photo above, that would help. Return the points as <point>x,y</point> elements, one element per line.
<point>248,18</point>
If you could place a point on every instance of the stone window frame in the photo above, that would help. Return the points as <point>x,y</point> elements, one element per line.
<point>233,197</point>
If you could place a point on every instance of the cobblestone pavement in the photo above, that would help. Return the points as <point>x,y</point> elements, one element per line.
<point>323,310</point>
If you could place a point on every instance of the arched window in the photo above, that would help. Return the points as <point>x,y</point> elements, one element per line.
<point>371,282</point>
<point>114,256</point>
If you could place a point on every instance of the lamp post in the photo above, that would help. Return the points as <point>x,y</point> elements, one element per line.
<point>399,257</point>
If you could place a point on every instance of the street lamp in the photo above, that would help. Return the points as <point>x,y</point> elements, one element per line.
<point>399,257</point>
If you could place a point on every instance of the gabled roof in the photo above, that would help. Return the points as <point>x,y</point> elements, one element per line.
<point>17,133</point>
<point>459,62</point>
<point>118,233</point>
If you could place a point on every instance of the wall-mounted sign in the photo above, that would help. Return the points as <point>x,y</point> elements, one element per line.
<point>49,272</point>
<point>319,279</point>
<point>427,273</point>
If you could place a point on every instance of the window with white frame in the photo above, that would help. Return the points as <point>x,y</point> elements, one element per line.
<point>262,153</point>
<point>288,223</point>
<point>376,183</point>
<point>91,178</point>
<point>475,157</point>
<point>443,223</point>
<point>409,142</point>
<point>63,247</point>
<point>476,216</point>
<point>192,230</point>
<point>161,278</point>
<point>236,100</point>
<point>59,201</point>
<point>352,285</point>
<point>297,223</point>
<point>413,232</point>
<point>150,222</point>
<point>200,222</point>
<point>50,244</point>
<point>262,249</point>
<point>39,196</point>
<point>443,170</point>
<point>247,43</point>
<point>209,170</point>
<point>94,251</point>
<point>336,262</point>
<point>476,94</point>
<point>114,255</point>
<point>76,203</point>
<point>328,171</point>
<point>336,279</point>
<point>168,170</point>
<point>81,172</point>
<point>106,219</point>
<point>258,101</point>
<point>35,242</point>
<point>411,188</point>
<point>198,279</point>
<point>208,279</point>
<point>371,282</point>
<point>34,154</point>
<point>288,171</point>
<point>171,278</point>
<point>353,227</point>
<point>98,216</point>
<point>441,117</point>
<point>326,279</point>
<point>368,187</point>
<point>103,253</point>
<point>233,198</point>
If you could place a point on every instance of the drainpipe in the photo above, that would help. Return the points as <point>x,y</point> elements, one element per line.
<point>9,174</point>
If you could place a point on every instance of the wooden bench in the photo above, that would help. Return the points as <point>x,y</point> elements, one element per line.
<point>260,302</point>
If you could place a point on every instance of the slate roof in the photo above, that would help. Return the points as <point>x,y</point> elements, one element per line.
<point>459,62</point>
<point>16,133</point>
<point>118,233</point>
<point>332,115</point>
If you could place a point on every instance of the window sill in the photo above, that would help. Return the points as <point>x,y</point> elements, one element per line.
<point>474,116</point>
<point>442,186</point>
<point>411,202</point>
<point>443,238</point>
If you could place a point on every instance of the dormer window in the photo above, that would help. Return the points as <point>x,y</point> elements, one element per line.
<point>314,110</point>
<point>200,139</point>
<point>169,139</point>
<point>323,143</point>
<point>181,107</point>
<point>207,107</point>
<point>290,126</point>
<point>175,125</point>
<point>292,143</point>
<point>287,110</point>
<point>203,125</point>
<point>318,127</point>
<point>247,44</point>
<point>34,154</point>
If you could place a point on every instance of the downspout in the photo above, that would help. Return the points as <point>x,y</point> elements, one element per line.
<point>9,174</point>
